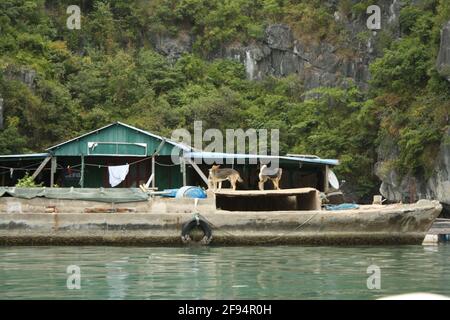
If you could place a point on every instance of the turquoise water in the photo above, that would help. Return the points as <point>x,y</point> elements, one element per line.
<point>284,272</point>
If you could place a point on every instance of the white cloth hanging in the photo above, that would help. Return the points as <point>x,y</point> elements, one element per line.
<point>117,174</point>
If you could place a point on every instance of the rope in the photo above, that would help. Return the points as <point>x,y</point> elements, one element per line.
<point>104,166</point>
<point>264,241</point>
<point>165,165</point>
<point>28,168</point>
<point>21,168</point>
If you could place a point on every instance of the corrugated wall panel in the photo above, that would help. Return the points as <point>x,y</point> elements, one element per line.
<point>114,134</point>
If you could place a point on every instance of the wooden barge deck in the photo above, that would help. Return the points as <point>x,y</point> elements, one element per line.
<point>159,221</point>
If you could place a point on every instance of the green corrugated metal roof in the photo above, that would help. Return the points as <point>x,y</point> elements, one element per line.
<point>220,155</point>
<point>116,139</point>
<point>28,156</point>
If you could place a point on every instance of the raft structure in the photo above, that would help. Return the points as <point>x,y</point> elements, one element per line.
<point>438,233</point>
<point>77,206</point>
<point>272,217</point>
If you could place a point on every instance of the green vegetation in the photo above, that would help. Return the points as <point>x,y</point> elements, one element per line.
<point>27,182</point>
<point>412,99</point>
<point>109,71</point>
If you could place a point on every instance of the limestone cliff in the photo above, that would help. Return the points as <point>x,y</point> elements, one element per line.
<point>443,60</point>
<point>410,188</point>
<point>317,63</point>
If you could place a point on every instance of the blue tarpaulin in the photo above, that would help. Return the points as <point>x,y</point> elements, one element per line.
<point>343,206</point>
<point>185,192</point>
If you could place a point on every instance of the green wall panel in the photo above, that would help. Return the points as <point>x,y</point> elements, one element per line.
<point>116,133</point>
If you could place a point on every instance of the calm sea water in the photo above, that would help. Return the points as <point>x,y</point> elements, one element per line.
<point>284,272</point>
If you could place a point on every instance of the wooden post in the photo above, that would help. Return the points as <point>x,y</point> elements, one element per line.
<point>52,172</point>
<point>200,173</point>
<point>82,171</point>
<point>41,166</point>
<point>163,141</point>
<point>153,173</point>
<point>183,169</point>
<point>325,179</point>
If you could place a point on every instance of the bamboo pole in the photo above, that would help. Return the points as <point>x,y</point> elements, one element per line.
<point>52,172</point>
<point>41,166</point>
<point>153,173</point>
<point>82,171</point>
<point>200,173</point>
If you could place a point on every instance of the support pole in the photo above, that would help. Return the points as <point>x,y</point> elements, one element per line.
<point>163,141</point>
<point>200,173</point>
<point>52,172</point>
<point>39,169</point>
<point>82,171</point>
<point>183,169</point>
<point>325,180</point>
<point>153,173</point>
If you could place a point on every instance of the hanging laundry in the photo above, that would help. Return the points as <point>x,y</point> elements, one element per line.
<point>117,174</point>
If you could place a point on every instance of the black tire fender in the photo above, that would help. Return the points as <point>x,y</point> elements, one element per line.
<point>193,223</point>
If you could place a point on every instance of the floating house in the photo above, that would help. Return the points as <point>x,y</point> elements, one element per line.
<point>84,162</point>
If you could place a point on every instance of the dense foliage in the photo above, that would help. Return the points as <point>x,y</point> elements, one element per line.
<point>27,182</point>
<point>109,71</point>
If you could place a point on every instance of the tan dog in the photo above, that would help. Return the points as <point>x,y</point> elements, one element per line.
<point>272,174</point>
<point>217,175</point>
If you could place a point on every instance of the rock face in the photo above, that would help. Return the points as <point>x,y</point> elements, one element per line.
<point>279,36</point>
<point>411,188</point>
<point>322,63</point>
<point>280,53</point>
<point>443,60</point>
<point>25,75</point>
<point>317,64</point>
<point>173,47</point>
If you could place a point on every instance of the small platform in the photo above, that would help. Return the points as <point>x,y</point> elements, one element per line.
<point>439,232</point>
<point>268,200</point>
<point>259,193</point>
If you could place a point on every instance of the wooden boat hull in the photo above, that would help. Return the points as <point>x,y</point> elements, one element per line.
<point>162,224</point>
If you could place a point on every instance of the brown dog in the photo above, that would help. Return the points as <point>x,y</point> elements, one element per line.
<point>273,174</point>
<point>217,175</point>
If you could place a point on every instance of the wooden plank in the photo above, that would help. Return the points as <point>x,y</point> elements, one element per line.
<point>41,166</point>
<point>258,193</point>
<point>200,173</point>
<point>108,210</point>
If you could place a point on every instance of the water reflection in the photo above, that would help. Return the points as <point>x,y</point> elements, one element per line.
<point>116,276</point>
<point>222,272</point>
